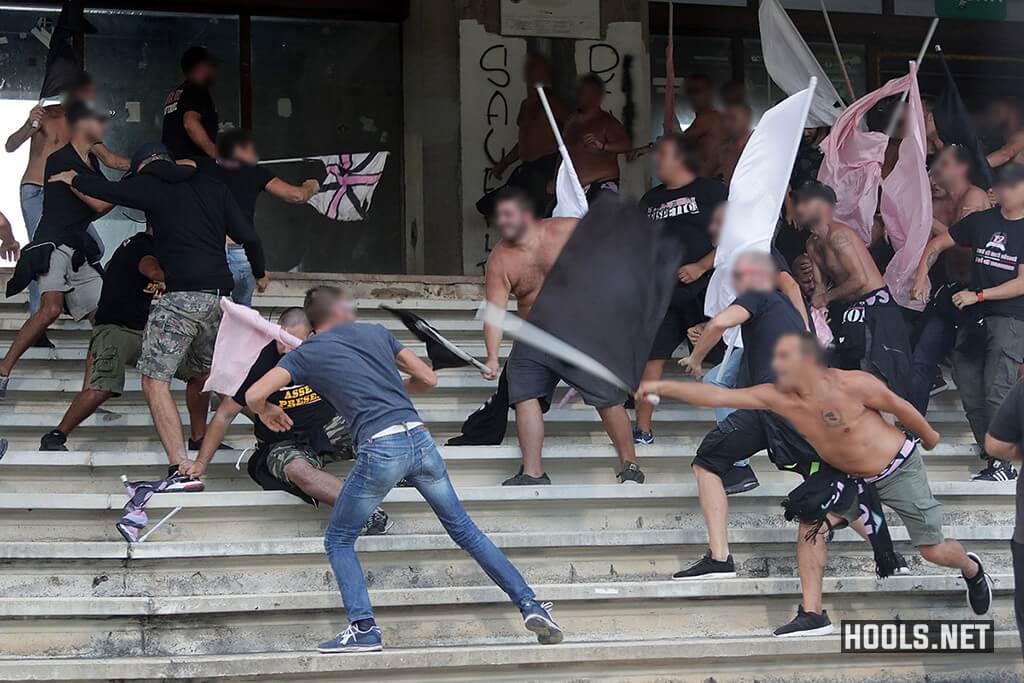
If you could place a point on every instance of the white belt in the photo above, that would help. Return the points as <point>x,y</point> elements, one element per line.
<point>397,429</point>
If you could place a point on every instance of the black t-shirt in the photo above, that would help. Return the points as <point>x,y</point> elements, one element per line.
<point>188,97</point>
<point>1008,425</point>
<point>998,245</point>
<point>127,293</point>
<point>791,241</point>
<point>245,181</point>
<point>687,210</point>
<point>65,217</point>
<point>304,406</point>
<point>771,316</point>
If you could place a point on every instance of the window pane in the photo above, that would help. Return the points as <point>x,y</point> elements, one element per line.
<point>322,88</point>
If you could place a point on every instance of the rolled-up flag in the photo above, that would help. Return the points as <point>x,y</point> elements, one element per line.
<point>441,352</point>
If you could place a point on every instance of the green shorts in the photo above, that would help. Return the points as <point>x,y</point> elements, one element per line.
<point>908,493</point>
<point>180,333</point>
<point>112,347</point>
<point>283,453</point>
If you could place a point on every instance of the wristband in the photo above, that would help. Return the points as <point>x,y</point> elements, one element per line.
<point>981,295</point>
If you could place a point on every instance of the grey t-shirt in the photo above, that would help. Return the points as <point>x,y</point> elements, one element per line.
<point>1008,425</point>
<point>353,367</point>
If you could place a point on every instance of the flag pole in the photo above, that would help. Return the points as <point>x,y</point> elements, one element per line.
<point>670,123</point>
<point>839,53</point>
<point>285,161</point>
<point>891,128</point>
<point>562,149</point>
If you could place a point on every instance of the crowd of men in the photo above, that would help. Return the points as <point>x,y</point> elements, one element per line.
<point>818,412</point>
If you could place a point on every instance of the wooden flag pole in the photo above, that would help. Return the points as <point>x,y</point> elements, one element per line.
<point>839,53</point>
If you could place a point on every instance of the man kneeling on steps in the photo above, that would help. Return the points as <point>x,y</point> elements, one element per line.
<point>840,414</point>
<point>291,460</point>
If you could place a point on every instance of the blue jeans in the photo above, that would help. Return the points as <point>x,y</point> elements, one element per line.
<point>934,343</point>
<point>32,212</point>
<point>381,464</point>
<point>725,376</point>
<point>241,271</point>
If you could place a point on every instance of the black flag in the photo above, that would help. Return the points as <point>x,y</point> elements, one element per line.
<point>441,352</point>
<point>953,122</point>
<point>65,60</point>
<point>608,291</point>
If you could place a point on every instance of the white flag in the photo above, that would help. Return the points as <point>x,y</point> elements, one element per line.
<point>790,63</point>
<point>570,200</point>
<point>348,186</point>
<point>756,193</point>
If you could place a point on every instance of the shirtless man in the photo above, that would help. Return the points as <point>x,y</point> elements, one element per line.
<point>48,130</point>
<point>536,147</point>
<point>595,139</point>
<point>953,197</point>
<point>839,413</point>
<point>518,266</point>
<point>866,320</point>
<point>736,127</point>
<point>1007,123</point>
<point>706,129</point>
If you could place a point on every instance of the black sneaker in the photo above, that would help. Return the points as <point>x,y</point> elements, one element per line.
<point>521,479</point>
<point>642,438</point>
<point>939,384</point>
<point>377,524</point>
<point>43,342</point>
<point>996,470</point>
<point>979,592</point>
<point>707,568</point>
<point>196,444</point>
<point>805,624</point>
<point>53,441</point>
<point>902,568</point>
<point>740,479</point>
<point>631,473</point>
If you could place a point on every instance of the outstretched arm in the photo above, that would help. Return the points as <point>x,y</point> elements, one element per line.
<point>111,159</point>
<point>715,328</point>
<point>421,377</point>
<point>498,289</point>
<point>293,194</point>
<point>760,397</point>
<point>879,397</point>
<point>226,413</point>
<point>936,246</point>
<point>1006,153</point>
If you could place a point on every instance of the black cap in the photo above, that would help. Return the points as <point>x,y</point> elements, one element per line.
<point>813,189</point>
<point>150,149</point>
<point>195,55</point>
<point>1010,174</point>
<point>78,111</point>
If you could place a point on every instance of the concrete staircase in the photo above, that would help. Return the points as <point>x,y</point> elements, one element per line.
<point>236,586</point>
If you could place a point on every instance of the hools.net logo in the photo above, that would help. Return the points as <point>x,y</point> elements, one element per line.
<point>918,636</point>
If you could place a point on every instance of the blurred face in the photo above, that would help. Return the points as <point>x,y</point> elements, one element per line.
<point>84,93</point>
<point>811,213</point>
<point>203,74</point>
<point>734,93</point>
<point>949,170</point>
<point>789,363</point>
<point>300,330</point>
<point>92,129</point>
<point>536,70</point>
<point>667,163</point>
<point>998,115</point>
<point>749,275</point>
<point>716,223</point>
<point>343,310</point>
<point>246,153</point>
<point>512,219</point>
<point>736,120</point>
<point>698,91</point>
<point>1010,195</point>
<point>588,96</point>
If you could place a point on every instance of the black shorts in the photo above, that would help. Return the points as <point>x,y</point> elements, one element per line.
<point>684,311</point>
<point>747,432</point>
<point>533,374</point>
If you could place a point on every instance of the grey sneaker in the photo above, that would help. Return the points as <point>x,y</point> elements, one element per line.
<point>520,479</point>
<point>631,473</point>
<point>4,381</point>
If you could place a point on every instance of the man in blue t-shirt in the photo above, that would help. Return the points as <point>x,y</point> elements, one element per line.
<point>355,366</point>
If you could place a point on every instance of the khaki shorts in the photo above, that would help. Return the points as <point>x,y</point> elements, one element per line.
<point>908,493</point>
<point>81,288</point>
<point>112,348</point>
<point>180,334</point>
<point>283,453</point>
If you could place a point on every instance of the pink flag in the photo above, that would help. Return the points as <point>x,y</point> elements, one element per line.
<point>907,202</point>
<point>242,335</point>
<point>853,168</point>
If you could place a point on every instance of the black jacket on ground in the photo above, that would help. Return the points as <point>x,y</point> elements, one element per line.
<point>191,214</point>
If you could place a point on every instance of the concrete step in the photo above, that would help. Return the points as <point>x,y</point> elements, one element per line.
<point>413,617</point>
<point>679,660</point>
<point>274,514</point>
<point>166,568</point>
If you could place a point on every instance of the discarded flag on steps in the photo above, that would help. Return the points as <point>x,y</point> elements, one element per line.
<point>65,60</point>
<point>441,352</point>
<point>953,122</point>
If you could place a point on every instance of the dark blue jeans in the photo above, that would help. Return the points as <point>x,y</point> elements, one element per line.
<point>935,341</point>
<point>381,464</point>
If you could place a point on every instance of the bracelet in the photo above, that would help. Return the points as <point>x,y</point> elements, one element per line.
<point>981,295</point>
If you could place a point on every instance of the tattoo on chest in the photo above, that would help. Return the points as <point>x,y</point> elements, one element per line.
<point>832,418</point>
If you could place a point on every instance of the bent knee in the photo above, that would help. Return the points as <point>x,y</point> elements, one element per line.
<point>298,470</point>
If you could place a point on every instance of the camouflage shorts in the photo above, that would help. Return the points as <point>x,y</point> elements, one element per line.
<point>180,332</point>
<point>283,453</point>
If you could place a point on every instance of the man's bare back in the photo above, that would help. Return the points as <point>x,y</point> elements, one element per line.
<point>843,260</point>
<point>592,163</point>
<point>520,267</point>
<point>535,137</point>
<point>706,131</point>
<point>727,157</point>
